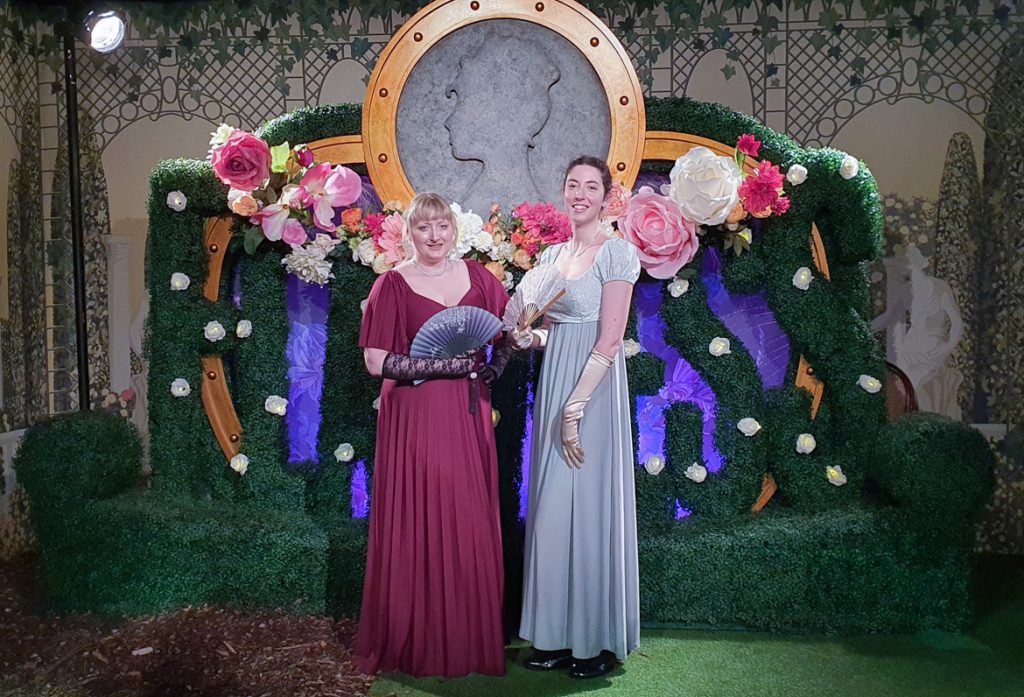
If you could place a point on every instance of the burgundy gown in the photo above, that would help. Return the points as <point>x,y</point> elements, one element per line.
<point>432,599</point>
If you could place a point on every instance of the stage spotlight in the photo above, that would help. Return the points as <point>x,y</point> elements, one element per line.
<point>105,29</point>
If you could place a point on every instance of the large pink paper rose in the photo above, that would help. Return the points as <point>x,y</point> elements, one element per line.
<point>665,241</point>
<point>243,162</point>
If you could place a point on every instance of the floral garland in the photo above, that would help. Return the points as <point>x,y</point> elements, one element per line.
<point>285,196</point>
<point>708,198</point>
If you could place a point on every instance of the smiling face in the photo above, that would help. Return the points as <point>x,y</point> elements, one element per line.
<point>584,194</point>
<point>432,239</point>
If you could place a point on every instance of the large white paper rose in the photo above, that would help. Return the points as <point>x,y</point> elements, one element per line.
<point>365,252</point>
<point>468,226</point>
<point>705,185</point>
<point>214,331</point>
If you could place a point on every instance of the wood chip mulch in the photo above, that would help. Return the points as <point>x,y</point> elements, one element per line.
<point>195,651</point>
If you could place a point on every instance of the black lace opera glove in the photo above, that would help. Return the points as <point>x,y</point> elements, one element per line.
<point>398,366</point>
<point>500,356</point>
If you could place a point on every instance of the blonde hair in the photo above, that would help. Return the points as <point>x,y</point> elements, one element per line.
<point>427,206</point>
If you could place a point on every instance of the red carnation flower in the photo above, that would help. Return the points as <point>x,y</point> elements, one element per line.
<point>762,188</point>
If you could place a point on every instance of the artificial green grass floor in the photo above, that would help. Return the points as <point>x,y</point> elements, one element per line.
<point>986,661</point>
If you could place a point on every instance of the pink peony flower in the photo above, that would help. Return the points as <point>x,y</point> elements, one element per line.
<point>761,189</point>
<point>654,224</point>
<point>781,206</point>
<point>389,238</point>
<point>618,199</point>
<point>544,221</point>
<point>748,145</point>
<point>243,162</point>
<point>330,188</point>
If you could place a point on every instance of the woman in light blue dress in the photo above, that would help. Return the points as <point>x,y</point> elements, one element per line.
<point>581,600</point>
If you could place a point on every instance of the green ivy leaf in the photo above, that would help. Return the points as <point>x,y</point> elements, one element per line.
<point>728,71</point>
<point>360,47</point>
<point>279,157</point>
<point>253,238</point>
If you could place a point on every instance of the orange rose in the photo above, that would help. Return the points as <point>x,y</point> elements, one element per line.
<point>736,215</point>
<point>522,260</point>
<point>352,218</point>
<point>496,268</point>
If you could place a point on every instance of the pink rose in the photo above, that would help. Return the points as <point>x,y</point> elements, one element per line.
<point>242,202</point>
<point>243,162</point>
<point>654,224</point>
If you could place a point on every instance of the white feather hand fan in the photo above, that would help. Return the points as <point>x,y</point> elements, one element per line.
<point>536,293</point>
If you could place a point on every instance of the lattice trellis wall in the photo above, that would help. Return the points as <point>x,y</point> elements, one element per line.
<point>802,79</point>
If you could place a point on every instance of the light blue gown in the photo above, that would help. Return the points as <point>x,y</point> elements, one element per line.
<point>581,578</point>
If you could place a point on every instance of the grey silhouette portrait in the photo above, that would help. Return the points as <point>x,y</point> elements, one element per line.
<point>494,111</point>
<point>502,146</point>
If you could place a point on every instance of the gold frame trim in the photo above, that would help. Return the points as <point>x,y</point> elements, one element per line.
<point>434,22</point>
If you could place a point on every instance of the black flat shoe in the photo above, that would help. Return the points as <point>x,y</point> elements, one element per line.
<point>595,667</point>
<point>549,660</point>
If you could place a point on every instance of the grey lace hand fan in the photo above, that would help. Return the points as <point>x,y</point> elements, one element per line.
<point>454,330</point>
<point>536,293</point>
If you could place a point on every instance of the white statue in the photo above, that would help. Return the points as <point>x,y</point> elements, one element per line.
<point>923,326</point>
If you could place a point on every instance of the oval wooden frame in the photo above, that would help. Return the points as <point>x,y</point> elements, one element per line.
<point>434,22</point>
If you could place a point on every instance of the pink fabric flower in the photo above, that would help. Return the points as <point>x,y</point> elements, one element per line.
<point>781,206</point>
<point>748,145</point>
<point>389,238</point>
<point>761,189</point>
<point>329,189</point>
<point>618,199</point>
<point>654,224</point>
<point>243,162</point>
<point>276,220</point>
<point>304,156</point>
<point>545,222</point>
<point>242,202</point>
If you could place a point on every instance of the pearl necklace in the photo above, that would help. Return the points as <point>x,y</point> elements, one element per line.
<point>442,272</point>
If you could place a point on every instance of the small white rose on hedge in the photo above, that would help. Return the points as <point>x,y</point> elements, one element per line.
<point>344,452</point>
<point>214,331</point>
<point>835,475</point>
<point>796,174</point>
<point>849,167</point>
<point>180,281</point>
<point>869,384</point>
<point>630,348</point>
<point>748,426</point>
<point>177,201</point>
<point>719,346</point>
<point>805,443</point>
<point>697,473</point>
<point>181,388</point>
<point>654,465</point>
<point>802,278</point>
<point>376,403</point>
<point>678,287</point>
<point>243,329</point>
<point>275,404</point>
<point>240,463</point>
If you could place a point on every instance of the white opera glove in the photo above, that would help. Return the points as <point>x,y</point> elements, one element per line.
<point>541,335</point>
<point>521,339</point>
<point>572,413</point>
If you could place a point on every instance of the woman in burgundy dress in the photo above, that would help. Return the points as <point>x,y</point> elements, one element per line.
<point>432,600</point>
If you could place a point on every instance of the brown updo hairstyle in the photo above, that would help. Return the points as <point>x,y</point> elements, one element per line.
<point>598,164</point>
